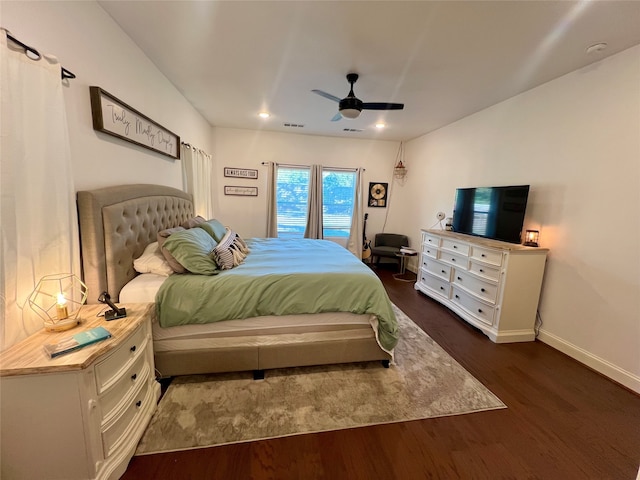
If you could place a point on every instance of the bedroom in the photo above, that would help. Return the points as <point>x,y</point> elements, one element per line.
<point>585,201</point>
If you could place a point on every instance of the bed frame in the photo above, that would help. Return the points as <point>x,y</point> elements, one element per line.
<point>117,223</point>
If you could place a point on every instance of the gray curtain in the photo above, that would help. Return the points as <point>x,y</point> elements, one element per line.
<point>354,243</point>
<point>314,205</point>
<point>272,203</point>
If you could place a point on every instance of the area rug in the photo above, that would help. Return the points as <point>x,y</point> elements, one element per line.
<point>206,410</point>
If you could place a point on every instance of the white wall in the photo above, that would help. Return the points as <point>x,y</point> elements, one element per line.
<point>91,45</point>
<point>249,148</point>
<point>576,141</point>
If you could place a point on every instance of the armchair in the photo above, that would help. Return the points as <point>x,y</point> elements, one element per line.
<point>387,245</point>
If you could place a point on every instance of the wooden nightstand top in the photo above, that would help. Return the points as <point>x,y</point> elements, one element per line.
<point>28,356</point>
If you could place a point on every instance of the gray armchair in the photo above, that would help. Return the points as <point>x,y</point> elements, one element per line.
<point>387,245</point>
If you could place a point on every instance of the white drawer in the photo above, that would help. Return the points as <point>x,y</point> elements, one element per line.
<point>455,246</point>
<point>484,271</point>
<point>434,283</point>
<point>477,308</point>
<point>115,365</point>
<point>430,240</point>
<point>454,259</point>
<point>115,432</point>
<point>138,372</point>
<point>492,257</point>
<point>436,268</point>
<point>429,250</point>
<point>482,288</point>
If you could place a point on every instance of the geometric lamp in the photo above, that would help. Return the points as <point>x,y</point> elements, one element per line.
<point>531,238</point>
<point>57,300</point>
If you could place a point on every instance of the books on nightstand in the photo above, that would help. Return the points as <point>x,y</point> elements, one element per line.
<point>77,341</point>
<point>407,251</point>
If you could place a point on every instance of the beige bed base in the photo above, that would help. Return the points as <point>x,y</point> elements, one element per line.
<point>117,223</point>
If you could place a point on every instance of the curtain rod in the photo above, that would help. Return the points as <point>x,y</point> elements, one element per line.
<point>30,50</point>
<point>289,165</point>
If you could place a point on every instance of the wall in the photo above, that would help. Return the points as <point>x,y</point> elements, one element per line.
<point>249,148</point>
<point>92,46</point>
<point>576,141</point>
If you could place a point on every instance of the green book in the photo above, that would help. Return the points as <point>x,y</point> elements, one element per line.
<point>77,341</point>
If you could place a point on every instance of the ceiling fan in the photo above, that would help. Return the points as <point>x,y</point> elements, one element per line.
<point>351,106</point>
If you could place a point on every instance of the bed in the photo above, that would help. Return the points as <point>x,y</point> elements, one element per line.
<point>118,223</point>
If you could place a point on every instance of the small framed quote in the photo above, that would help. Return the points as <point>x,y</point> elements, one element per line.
<point>241,173</point>
<point>116,118</point>
<point>241,191</point>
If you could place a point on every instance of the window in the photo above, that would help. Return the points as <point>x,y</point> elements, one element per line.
<point>292,194</point>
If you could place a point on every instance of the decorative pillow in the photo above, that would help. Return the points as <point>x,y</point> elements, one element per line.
<point>214,228</point>
<point>152,261</point>
<point>192,222</point>
<point>231,251</point>
<point>162,237</point>
<point>192,249</point>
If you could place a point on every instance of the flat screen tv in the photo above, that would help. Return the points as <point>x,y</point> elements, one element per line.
<point>491,212</point>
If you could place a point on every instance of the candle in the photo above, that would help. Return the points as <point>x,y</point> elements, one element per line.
<point>61,307</point>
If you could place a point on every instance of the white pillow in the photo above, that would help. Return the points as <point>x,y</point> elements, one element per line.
<point>152,261</point>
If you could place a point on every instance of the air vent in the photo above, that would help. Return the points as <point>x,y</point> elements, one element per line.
<point>352,130</point>
<point>293,125</point>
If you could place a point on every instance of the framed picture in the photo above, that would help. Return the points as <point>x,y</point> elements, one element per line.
<point>378,194</point>
<point>114,117</point>
<point>240,173</point>
<point>241,191</point>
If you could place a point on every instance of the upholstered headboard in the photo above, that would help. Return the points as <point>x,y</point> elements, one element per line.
<point>117,223</point>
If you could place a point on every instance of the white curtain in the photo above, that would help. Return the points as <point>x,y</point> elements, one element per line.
<point>197,179</point>
<point>272,202</point>
<point>355,241</point>
<point>313,228</point>
<point>38,219</point>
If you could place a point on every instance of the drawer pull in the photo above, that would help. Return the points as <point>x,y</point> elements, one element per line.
<point>479,310</point>
<point>482,255</point>
<point>457,296</point>
<point>455,246</point>
<point>459,279</point>
<point>443,271</point>
<point>481,271</point>
<point>138,403</point>
<point>482,290</point>
<point>134,376</point>
<point>133,349</point>
<point>453,259</point>
<point>441,288</point>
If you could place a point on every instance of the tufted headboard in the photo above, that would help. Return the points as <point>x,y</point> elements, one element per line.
<point>117,223</point>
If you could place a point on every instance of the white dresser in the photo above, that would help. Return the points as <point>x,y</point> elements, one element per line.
<point>493,285</point>
<point>80,415</point>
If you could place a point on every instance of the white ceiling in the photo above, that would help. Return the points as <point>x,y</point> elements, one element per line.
<point>443,59</point>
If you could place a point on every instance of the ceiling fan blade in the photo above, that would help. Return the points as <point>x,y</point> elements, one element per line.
<point>326,95</point>
<point>382,106</point>
<point>336,117</point>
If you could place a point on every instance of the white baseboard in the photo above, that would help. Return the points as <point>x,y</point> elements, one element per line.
<point>600,365</point>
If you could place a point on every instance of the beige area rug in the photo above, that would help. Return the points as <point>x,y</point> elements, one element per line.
<point>205,410</point>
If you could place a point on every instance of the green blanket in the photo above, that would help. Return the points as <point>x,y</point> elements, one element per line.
<point>280,277</point>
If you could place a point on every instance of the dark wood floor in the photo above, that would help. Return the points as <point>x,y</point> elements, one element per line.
<point>563,422</point>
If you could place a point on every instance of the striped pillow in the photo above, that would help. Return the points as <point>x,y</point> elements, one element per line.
<point>231,251</point>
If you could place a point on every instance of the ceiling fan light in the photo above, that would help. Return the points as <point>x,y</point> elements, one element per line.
<point>350,112</point>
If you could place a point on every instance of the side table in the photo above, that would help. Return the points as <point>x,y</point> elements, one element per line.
<point>402,275</point>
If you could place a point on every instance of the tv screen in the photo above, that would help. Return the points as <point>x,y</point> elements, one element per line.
<point>491,212</point>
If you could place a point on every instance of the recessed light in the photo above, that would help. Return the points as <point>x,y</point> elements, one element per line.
<point>380,125</point>
<point>598,47</point>
<point>264,115</point>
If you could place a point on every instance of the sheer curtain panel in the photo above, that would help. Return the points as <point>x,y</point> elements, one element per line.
<point>37,203</point>
<point>197,176</point>
<point>356,238</point>
<point>272,200</point>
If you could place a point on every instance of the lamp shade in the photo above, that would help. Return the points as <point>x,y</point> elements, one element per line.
<point>350,112</point>
<point>57,299</point>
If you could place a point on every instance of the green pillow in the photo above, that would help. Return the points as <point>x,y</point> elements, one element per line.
<point>213,228</point>
<point>192,249</point>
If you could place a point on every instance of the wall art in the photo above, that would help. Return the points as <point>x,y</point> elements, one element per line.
<point>240,173</point>
<point>241,191</point>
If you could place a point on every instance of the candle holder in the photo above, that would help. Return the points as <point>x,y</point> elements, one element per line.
<point>531,238</point>
<point>57,300</point>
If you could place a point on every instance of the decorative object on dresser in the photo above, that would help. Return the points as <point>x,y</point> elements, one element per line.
<point>531,238</point>
<point>495,286</point>
<point>57,299</point>
<point>79,415</point>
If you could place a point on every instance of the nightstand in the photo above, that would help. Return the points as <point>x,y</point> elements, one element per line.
<point>80,415</point>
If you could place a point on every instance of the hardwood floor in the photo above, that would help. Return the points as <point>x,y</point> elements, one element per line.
<point>563,422</point>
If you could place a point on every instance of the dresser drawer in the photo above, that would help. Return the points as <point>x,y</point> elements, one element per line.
<point>430,240</point>
<point>436,284</point>
<point>454,259</point>
<point>455,246</point>
<point>477,308</point>
<point>486,255</point>
<point>429,251</point>
<point>115,365</point>
<point>436,268</point>
<point>137,373</point>
<point>482,288</point>
<point>485,271</point>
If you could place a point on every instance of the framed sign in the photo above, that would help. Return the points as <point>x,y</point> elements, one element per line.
<point>240,173</point>
<point>114,117</point>
<point>378,194</point>
<point>241,191</point>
